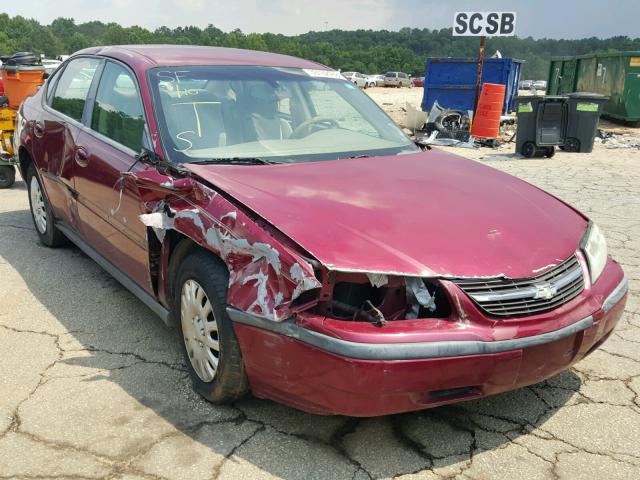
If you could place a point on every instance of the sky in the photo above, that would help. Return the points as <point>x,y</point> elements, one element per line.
<point>536,18</point>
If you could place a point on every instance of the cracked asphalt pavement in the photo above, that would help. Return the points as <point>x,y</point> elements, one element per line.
<point>92,385</point>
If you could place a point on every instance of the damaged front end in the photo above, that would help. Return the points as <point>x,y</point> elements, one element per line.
<point>379,298</point>
<point>266,276</point>
<point>269,276</point>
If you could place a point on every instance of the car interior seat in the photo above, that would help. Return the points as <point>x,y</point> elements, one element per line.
<point>263,104</point>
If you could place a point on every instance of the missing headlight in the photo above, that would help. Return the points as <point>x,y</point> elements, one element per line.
<point>354,297</point>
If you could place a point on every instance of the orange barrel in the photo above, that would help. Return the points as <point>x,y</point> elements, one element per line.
<point>486,121</point>
<point>21,81</point>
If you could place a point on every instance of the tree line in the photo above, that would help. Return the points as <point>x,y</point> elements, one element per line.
<point>366,51</point>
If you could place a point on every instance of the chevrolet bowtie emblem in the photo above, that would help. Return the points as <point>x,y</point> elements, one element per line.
<point>545,291</point>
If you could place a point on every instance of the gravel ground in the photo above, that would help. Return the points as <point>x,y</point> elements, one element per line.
<point>93,386</point>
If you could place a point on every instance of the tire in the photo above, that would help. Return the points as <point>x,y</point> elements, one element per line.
<point>528,150</point>
<point>549,152</point>
<point>201,273</point>
<point>41,212</point>
<point>572,144</point>
<point>7,176</point>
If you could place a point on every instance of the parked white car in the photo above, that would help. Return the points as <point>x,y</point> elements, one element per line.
<point>371,80</point>
<point>50,65</point>
<point>525,84</point>
<point>540,85</point>
<point>379,80</point>
<point>356,77</point>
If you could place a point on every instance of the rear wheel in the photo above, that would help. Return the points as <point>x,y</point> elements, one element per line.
<point>549,152</point>
<point>41,212</point>
<point>572,144</point>
<point>209,342</point>
<point>7,176</point>
<point>528,149</point>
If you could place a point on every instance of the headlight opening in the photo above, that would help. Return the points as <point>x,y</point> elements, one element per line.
<point>594,247</point>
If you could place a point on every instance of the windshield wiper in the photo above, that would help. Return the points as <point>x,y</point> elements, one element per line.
<point>234,161</point>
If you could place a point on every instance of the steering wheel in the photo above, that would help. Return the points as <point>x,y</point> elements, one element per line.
<point>306,125</point>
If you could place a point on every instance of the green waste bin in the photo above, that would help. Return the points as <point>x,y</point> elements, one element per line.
<point>541,125</point>
<point>583,113</point>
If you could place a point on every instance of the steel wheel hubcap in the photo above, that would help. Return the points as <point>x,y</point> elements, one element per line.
<point>37,206</point>
<point>200,330</point>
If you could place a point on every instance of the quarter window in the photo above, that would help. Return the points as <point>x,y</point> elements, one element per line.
<point>117,111</point>
<point>73,87</point>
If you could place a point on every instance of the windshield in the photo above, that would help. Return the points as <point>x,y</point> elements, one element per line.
<point>279,114</point>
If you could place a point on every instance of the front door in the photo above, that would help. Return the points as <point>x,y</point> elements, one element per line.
<point>108,202</point>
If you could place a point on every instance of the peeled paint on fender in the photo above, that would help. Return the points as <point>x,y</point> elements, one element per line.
<point>264,277</point>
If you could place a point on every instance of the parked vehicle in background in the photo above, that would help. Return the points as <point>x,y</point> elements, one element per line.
<point>418,81</point>
<point>397,79</point>
<point>50,65</point>
<point>379,80</point>
<point>539,85</point>
<point>218,186</point>
<point>371,81</point>
<point>357,78</point>
<point>525,84</point>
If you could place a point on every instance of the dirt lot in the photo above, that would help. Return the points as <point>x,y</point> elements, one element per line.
<point>93,386</point>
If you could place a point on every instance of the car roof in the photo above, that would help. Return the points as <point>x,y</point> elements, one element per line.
<point>149,56</point>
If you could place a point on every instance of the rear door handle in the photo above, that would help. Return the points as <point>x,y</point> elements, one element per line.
<point>81,157</point>
<point>38,129</point>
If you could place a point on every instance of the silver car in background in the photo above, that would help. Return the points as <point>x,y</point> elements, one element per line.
<point>397,79</point>
<point>356,77</point>
<point>540,85</point>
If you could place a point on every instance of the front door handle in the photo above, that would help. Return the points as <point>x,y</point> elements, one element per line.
<point>81,156</point>
<point>38,129</point>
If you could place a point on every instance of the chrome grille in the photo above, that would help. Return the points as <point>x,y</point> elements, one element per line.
<point>511,298</point>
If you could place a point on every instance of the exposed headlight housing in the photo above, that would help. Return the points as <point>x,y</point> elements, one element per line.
<point>594,247</point>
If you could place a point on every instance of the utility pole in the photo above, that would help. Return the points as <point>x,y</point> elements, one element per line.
<point>479,75</point>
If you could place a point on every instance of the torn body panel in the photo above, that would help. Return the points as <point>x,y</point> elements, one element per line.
<point>265,277</point>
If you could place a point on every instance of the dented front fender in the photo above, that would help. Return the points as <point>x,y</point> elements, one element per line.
<point>265,277</point>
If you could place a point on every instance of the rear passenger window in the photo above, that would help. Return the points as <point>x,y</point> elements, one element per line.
<point>117,112</point>
<point>73,87</point>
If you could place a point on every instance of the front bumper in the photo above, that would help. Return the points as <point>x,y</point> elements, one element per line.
<point>311,365</point>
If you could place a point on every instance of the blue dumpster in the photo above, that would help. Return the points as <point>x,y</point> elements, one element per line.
<point>452,81</point>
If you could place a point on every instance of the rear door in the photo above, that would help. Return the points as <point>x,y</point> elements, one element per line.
<point>108,201</point>
<point>57,130</point>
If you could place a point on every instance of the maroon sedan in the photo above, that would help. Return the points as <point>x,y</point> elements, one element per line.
<point>306,249</point>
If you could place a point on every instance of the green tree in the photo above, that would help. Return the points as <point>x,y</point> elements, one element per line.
<point>369,51</point>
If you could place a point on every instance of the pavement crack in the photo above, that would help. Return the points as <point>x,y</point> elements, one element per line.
<point>217,471</point>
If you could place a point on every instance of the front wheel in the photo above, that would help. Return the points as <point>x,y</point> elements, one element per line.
<point>209,341</point>
<point>7,176</point>
<point>41,212</point>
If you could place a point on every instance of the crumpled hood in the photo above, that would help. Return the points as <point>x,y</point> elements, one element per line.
<point>422,214</point>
